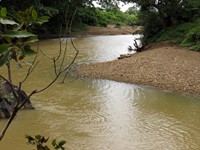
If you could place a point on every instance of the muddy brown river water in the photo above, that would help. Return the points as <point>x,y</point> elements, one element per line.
<point>100,114</point>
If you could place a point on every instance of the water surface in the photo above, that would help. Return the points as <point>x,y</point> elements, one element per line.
<point>101,114</point>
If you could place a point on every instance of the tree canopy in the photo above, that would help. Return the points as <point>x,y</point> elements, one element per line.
<point>154,15</point>
<point>159,15</point>
<point>61,11</point>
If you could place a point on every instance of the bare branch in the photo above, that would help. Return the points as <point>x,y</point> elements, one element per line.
<point>77,51</point>
<point>14,113</point>
<point>45,55</point>
<point>64,55</point>
<point>32,67</point>
<point>17,93</point>
<point>72,62</point>
<point>9,72</point>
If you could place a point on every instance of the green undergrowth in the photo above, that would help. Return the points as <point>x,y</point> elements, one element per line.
<point>186,35</point>
<point>79,27</point>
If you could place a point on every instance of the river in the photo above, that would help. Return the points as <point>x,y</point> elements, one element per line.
<point>101,114</point>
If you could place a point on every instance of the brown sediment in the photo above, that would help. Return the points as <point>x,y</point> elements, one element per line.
<point>91,30</point>
<point>109,30</point>
<point>164,66</point>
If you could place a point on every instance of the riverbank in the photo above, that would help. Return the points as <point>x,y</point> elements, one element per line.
<point>94,31</point>
<point>163,66</point>
<point>109,30</point>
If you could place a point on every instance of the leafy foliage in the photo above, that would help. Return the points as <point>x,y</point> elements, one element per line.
<point>15,37</point>
<point>158,16</point>
<point>100,17</point>
<point>87,14</point>
<point>41,142</point>
<point>187,34</point>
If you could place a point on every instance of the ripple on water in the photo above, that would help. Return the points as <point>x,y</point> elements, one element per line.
<point>100,114</point>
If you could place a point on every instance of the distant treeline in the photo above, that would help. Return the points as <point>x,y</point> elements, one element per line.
<point>172,20</point>
<point>62,12</point>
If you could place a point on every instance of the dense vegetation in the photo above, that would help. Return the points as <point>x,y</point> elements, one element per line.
<point>173,20</point>
<point>62,11</point>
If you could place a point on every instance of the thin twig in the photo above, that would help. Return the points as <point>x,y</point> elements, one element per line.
<point>14,113</point>
<point>64,54</point>
<point>17,94</point>
<point>72,62</point>
<point>9,72</point>
<point>32,67</point>
<point>77,51</point>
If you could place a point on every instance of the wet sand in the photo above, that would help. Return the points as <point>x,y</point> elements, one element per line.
<point>164,66</point>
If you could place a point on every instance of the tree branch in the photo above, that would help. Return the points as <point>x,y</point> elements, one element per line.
<point>17,94</point>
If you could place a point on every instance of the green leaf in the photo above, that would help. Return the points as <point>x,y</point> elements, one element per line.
<point>34,14</point>
<point>3,12</point>
<point>8,22</point>
<point>28,50</point>
<point>14,56</point>
<point>38,137</point>
<point>46,148</point>
<point>54,143</point>
<point>30,138</point>
<point>42,20</point>
<point>17,34</point>
<point>4,47</point>
<point>4,57</point>
<point>19,26</point>
<point>61,143</point>
<point>31,39</point>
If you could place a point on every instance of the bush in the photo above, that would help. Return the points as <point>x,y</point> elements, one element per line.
<point>187,34</point>
<point>100,17</point>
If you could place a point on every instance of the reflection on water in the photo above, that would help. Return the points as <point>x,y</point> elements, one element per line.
<point>100,114</point>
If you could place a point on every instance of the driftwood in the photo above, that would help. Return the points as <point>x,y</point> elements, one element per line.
<point>137,47</point>
<point>124,56</point>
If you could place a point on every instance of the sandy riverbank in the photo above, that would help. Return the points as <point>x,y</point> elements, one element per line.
<point>164,66</point>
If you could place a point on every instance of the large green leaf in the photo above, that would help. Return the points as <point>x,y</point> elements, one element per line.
<point>4,47</point>
<point>8,22</point>
<point>17,34</point>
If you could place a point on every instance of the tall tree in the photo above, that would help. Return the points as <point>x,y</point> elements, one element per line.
<point>160,14</point>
